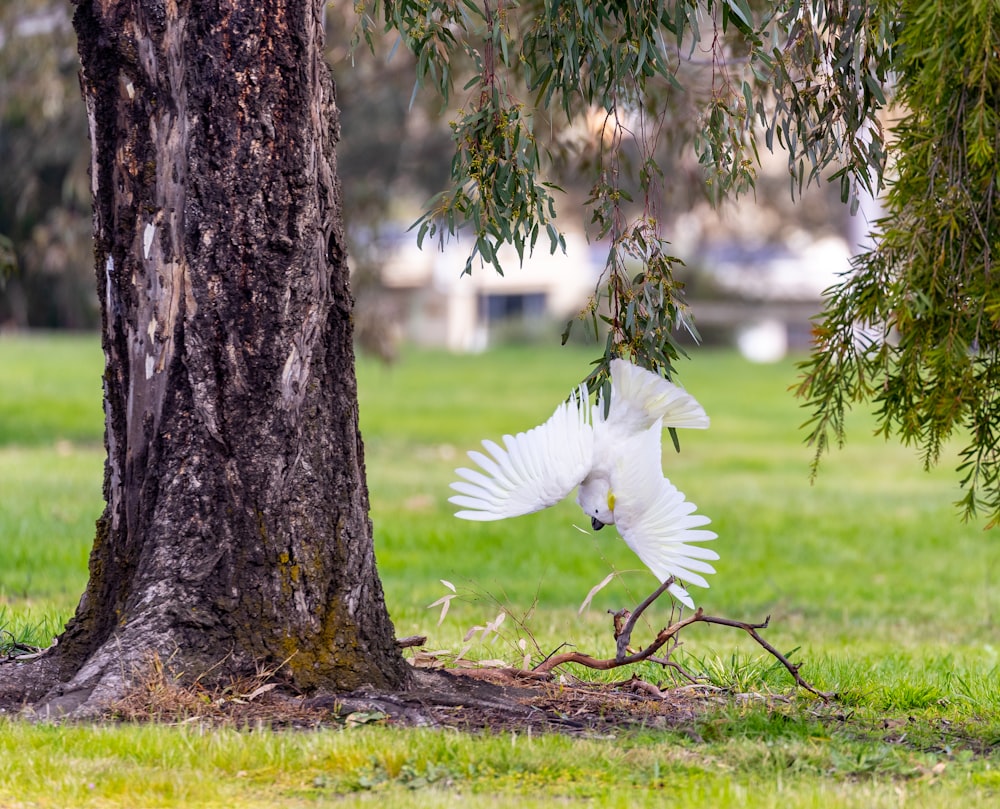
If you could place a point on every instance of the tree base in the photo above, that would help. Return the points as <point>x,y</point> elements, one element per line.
<point>497,700</point>
<point>34,685</point>
<point>142,686</point>
<point>154,679</point>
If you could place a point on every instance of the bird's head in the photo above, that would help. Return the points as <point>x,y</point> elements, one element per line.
<point>598,502</point>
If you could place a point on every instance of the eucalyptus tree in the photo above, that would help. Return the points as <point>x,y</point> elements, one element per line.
<point>236,531</point>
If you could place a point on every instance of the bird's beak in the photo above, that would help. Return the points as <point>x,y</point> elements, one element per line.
<point>596,523</point>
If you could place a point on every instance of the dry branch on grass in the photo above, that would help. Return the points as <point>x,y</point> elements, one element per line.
<point>623,635</point>
<point>12,649</point>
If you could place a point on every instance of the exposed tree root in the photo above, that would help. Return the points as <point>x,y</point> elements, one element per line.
<point>25,682</point>
<point>52,684</point>
<point>474,699</point>
<point>35,688</point>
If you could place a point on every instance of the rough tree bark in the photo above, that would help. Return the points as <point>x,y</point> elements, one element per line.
<point>236,532</point>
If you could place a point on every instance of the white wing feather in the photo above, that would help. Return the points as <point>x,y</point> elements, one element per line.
<point>655,519</point>
<point>532,470</point>
<point>640,397</point>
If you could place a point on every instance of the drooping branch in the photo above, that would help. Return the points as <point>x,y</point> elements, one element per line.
<point>809,77</point>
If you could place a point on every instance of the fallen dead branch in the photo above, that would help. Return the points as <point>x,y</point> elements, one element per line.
<point>623,635</point>
<point>12,649</point>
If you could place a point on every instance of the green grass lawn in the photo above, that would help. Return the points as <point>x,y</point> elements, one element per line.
<point>869,574</point>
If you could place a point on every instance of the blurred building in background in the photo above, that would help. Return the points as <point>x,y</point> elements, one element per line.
<point>435,305</point>
<point>760,297</point>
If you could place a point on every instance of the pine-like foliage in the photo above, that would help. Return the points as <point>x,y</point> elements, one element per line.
<point>915,328</point>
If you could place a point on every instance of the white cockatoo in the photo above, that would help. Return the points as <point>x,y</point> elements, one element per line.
<point>615,459</point>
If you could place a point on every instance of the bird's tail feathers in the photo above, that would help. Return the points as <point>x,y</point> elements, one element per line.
<point>642,395</point>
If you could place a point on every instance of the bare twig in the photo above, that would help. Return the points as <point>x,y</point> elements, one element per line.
<point>638,657</point>
<point>550,655</point>
<point>626,634</point>
<point>12,649</point>
<point>751,630</point>
<point>667,663</point>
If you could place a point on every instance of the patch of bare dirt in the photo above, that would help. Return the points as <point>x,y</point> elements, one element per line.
<point>469,699</point>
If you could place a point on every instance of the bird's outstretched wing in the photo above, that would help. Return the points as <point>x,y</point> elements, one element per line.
<point>657,522</point>
<point>661,537</point>
<point>532,470</point>
<point>640,397</point>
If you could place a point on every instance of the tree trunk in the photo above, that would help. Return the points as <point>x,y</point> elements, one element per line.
<point>236,532</point>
